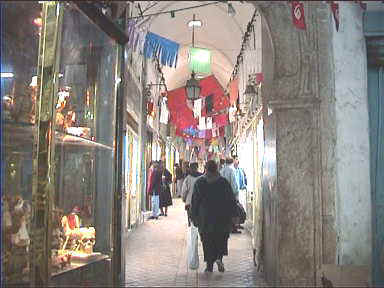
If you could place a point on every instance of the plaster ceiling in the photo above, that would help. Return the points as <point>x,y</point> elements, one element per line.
<point>220,33</point>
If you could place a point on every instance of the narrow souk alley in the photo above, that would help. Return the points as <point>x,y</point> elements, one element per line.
<point>110,110</point>
<point>156,256</point>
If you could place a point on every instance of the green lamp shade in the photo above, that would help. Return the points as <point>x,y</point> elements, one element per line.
<point>200,60</point>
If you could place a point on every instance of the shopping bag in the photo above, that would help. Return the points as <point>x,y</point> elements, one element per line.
<point>240,212</point>
<point>192,246</point>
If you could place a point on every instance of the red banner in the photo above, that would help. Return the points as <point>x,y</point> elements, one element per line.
<point>233,91</point>
<point>298,14</point>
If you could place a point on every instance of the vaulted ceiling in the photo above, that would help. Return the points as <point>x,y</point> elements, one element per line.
<point>220,33</point>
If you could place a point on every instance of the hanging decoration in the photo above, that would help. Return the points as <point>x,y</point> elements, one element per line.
<point>220,120</point>
<point>150,111</point>
<point>298,14</point>
<point>197,105</point>
<point>164,114</point>
<point>136,36</point>
<point>209,103</point>
<point>232,114</point>
<point>335,11</point>
<point>165,49</point>
<point>233,91</point>
<point>202,125</point>
<point>209,123</point>
<point>199,60</point>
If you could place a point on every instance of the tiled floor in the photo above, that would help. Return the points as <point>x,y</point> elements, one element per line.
<point>156,256</point>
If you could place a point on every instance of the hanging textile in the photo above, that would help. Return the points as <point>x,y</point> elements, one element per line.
<point>259,78</point>
<point>209,103</point>
<point>220,120</point>
<point>136,36</point>
<point>166,50</point>
<point>232,114</point>
<point>215,132</point>
<point>197,108</point>
<point>233,90</point>
<point>209,123</point>
<point>181,115</point>
<point>199,60</point>
<point>202,123</point>
<point>202,134</point>
<point>298,14</point>
<point>164,112</point>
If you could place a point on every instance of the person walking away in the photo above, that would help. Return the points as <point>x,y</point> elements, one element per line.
<point>154,190</point>
<point>241,181</point>
<point>222,164</point>
<point>212,208</point>
<point>149,179</point>
<point>229,173</point>
<point>165,192</point>
<point>179,180</point>
<point>187,189</point>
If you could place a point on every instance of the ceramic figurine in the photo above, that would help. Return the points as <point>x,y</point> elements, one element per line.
<point>7,219</point>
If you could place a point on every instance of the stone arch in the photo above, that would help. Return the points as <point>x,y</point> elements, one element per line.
<point>299,97</point>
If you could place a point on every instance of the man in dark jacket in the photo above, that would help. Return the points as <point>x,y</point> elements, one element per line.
<point>212,208</point>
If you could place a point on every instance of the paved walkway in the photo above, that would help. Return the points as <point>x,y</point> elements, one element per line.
<point>156,256</point>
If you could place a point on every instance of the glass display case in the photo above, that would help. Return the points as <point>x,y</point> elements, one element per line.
<point>58,146</point>
<point>19,58</point>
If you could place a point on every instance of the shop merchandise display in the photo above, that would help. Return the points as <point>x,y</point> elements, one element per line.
<point>16,214</point>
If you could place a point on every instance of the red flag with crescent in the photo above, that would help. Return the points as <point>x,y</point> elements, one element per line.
<point>335,12</point>
<point>298,14</point>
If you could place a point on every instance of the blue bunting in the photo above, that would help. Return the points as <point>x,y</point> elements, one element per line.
<point>161,47</point>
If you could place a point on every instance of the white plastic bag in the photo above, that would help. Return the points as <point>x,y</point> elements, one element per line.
<point>192,246</point>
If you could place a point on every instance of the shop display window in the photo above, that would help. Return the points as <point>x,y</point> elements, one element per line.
<point>21,22</point>
<point>84,91</point>
<point>85,134</point>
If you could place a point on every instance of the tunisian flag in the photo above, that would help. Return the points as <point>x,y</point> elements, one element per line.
<point>335,11</point>
<point>298,14</point>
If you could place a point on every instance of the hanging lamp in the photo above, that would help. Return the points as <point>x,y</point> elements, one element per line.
<point>192,86</point>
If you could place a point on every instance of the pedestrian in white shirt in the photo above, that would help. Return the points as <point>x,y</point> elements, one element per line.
<point>229,173</point>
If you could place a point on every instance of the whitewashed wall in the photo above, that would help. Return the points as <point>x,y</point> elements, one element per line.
<point>353,199</point>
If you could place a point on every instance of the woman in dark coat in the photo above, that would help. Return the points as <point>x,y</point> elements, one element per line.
<point>212,208</point>
<point>165,194</point>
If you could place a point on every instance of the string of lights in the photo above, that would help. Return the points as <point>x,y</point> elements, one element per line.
<point>246,36</point>
<point>172,12</point>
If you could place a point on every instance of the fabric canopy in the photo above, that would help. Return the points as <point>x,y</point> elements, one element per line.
<point>211,86</point>
<point>182,116</point>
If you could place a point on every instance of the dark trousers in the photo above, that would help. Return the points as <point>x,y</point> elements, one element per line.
<point>215,245</point>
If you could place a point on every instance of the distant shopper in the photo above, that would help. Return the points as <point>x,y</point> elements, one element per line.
<point>241,181</point>
<point>212,208</point>
<point>187,189</point>
<point>154,190</point>
<point>165,192</point>
<point>222,164</point>
<point>179,179</point>
<point>229,173</point>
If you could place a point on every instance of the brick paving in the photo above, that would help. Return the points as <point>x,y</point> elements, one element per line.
<point>156,256</point>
